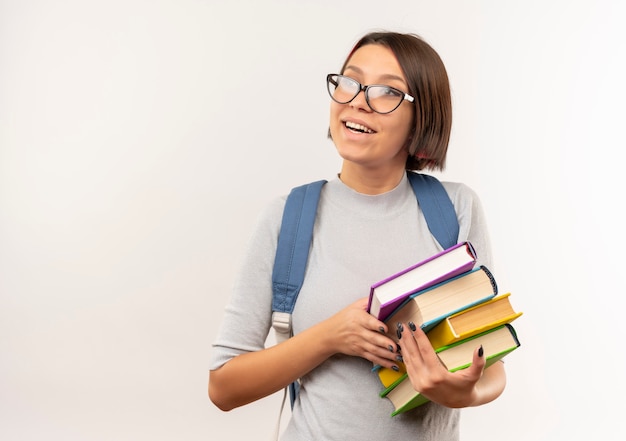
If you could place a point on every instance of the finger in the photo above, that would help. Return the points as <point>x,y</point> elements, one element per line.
<point>363,303</point>
<point>475,370</point>
<point>396,365</point>
<point>391,350</point>
<point>426,350</point>
<point>377,346</point>
<point>381,338</point>
<point>370,322</point>
<point>410,348</point>
<point>382,328</point>
<point>384,356</point>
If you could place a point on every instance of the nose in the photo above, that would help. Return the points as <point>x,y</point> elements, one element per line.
<point>359,102</point>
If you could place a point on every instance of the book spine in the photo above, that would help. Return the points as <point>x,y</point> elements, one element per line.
<point>442,335</point>
<point>419,399</point>
<point>492,279</point>
<point>471,250</point>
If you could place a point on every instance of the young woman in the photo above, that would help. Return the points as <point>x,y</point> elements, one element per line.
<point>390,112</point>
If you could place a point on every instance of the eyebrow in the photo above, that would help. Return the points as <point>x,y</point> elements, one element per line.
<point>384,76</point>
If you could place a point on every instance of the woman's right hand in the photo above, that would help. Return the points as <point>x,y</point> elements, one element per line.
<point>353,331</point>
<point>253,375</point>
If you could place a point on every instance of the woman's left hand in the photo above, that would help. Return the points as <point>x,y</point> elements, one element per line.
<point>431,378</point>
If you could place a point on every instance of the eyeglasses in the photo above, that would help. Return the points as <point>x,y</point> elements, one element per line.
<point>380,98</point>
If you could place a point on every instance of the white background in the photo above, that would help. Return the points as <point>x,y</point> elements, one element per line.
<point>139,140</point>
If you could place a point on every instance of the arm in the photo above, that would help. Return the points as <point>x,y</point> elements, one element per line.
<point>254,375</point>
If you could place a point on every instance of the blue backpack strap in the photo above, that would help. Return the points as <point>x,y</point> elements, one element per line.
<point>437,208</point>
<point>292,253</point>
<point>297,230</point>
<point>294,241</point>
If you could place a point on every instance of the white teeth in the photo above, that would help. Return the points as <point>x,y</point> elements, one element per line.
<point>359,127</point>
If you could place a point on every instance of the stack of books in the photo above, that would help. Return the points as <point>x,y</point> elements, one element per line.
<point>458,306</point>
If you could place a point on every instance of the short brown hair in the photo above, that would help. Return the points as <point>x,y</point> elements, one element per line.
<point>428,82</point>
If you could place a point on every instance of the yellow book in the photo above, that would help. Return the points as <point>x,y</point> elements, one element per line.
<point>472,321</point>
<point>389,376</point>
<point>460,326</point>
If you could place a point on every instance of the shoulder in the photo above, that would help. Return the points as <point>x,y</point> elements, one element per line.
<point>459,190</point>
<point>463,197</point>
<point>270,216</point>
<point>472,220</point>
<point>277,204</point>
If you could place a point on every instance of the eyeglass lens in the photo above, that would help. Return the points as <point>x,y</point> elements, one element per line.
<point>381,99</point>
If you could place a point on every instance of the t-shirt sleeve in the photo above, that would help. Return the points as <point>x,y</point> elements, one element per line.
<point>248,315</point>
<point>472,221</point>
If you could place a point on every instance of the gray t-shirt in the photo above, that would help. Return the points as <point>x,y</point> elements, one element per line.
<point>358,240</point>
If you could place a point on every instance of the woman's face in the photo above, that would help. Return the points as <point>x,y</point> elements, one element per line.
<point>362,136</point>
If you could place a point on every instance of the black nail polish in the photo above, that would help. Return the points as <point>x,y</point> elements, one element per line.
<point>399,358</point>
<point>395,368</point>
<point>399,333</point>
<point>381,330</point>
<point>412,326</point>
<point>398,348</point>
<point>390,348</point>
<point>481,351</point>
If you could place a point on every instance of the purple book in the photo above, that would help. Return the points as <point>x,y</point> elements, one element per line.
<point>389,293</point>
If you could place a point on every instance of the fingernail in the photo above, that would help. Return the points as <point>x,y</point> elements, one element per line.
<point>412,326</point>
<point>381,330</point>
<point>399,333</point>
<point>481,351</point>
<point>397,348</point>
<point>390,348</point>
<point>395,368</point>
<point>399,358</point>
<point>400,327</point>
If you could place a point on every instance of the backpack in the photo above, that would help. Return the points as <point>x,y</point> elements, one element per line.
<point>296,231</point>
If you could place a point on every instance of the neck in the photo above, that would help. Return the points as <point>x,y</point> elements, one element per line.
<point>371,181</point>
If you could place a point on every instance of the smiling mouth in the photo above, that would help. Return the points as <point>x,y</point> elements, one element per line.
<point>358,128</point>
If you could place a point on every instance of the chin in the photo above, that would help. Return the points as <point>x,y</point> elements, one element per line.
<point>351,152</point>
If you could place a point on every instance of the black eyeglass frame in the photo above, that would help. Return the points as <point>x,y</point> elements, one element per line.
<point>330,80</point>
